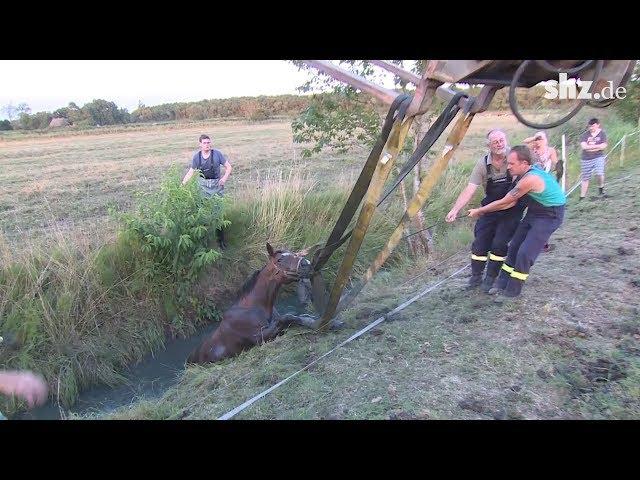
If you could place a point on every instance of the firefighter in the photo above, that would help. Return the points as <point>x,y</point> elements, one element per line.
<point>493,231</point>
<point>545,213</point>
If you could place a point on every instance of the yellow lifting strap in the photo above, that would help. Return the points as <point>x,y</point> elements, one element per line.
<point>387,158</point>
<point>425,188</point>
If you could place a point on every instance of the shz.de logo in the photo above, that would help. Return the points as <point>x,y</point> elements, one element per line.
<point>565,90</point>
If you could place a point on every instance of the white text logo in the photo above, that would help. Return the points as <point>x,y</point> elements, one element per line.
<point>579,90</point>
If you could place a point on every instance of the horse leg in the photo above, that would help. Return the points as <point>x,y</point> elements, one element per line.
<point>302,320</point>
<point>269,332</point>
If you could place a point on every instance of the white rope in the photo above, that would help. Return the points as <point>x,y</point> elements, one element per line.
<point>239,408</point>
<point>605,159</point>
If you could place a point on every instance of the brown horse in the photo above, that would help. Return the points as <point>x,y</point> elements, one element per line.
<point>252,320</point>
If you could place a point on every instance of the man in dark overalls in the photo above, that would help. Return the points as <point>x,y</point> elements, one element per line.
<point>207,160</point>
<point>545,214</point>
<point>492,232</point>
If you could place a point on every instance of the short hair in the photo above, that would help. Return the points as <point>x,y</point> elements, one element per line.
<point>523,153</point>
<point>495,130</point>
<point>593,121</point>
<point>202,137</point>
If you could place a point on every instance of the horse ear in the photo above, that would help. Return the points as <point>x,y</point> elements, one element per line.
<point>270,249</point>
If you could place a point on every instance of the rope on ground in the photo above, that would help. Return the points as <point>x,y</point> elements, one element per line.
<point>240,408</point>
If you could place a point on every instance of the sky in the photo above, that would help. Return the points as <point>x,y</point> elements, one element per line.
<point>46,85</point>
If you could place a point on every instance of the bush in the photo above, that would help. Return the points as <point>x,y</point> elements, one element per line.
<point>170,233</point>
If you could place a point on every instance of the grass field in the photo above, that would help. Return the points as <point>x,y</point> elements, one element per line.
<point>64,183</point>
<point>56,188</point>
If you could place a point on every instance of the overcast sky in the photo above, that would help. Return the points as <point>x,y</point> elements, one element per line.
<point>46,85</point>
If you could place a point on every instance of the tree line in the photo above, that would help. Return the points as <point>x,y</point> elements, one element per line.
<point>102,112</point>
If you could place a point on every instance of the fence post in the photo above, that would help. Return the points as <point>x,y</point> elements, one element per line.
<point>624,143</point>
<point>564,164</point>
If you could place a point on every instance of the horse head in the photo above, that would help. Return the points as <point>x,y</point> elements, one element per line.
<point>289,266</point>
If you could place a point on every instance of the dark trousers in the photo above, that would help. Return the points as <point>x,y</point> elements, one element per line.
<point>493,232</point>
<point>527,243</point>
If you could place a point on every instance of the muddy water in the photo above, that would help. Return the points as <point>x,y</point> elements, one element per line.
<point>148,379</point>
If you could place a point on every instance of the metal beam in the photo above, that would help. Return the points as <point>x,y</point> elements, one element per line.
<point>383,94</point>
<point>396,70</point>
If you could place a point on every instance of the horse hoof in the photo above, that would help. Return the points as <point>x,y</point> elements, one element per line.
<point>337,325</point>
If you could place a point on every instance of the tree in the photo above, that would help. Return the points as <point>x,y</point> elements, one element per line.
<point>629,107</point>
<point>5,125</point>
<point>10,111</point>
<point>345,118</point>
<point>102,112</point>
<point>23,108</point>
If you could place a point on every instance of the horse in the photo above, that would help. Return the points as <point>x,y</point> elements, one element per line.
<point>252,319</point>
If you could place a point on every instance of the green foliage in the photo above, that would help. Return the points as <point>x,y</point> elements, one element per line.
<point>345,117</point>
<point>5,125</point>
<point>337,121</point>
<point>170,233</point>
<point>102,112</point>
<point>629,107</point>
<point>97,112</point>
<point>251,108</point>
<point>37,121</point>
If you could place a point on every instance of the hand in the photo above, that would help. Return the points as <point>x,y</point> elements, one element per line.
<point>451,216</point>
<point>475,212</point>
<point>222,181</point>
<point>25,385</point>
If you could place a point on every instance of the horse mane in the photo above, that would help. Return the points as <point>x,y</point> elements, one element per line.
<point>251,281</point>
<point>248,284</point>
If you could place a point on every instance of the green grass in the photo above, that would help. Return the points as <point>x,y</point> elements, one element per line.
<point>74,316</point>
<point>568,350</point>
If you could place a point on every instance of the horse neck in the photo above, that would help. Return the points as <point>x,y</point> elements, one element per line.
<point>265,291</point>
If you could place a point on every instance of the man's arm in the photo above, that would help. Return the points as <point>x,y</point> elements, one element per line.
<point>600,146</point>
<point>462,200</point>
<point>188,175</point>
<point>523,187</point>
<point>227,172</point>
<point>593,148</point>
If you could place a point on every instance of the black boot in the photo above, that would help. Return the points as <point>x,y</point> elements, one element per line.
<point>487,283</point>
<point>500,284</point>
<point>474,281</point>
<point>221,240</point>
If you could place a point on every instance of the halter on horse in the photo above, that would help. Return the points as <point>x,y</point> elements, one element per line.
<point>252,320</point>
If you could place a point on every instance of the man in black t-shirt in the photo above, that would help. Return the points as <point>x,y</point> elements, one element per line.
<point>593,143</point>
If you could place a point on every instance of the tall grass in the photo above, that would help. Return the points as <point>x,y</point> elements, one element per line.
<point>62,315</point>
<point>79,314</point>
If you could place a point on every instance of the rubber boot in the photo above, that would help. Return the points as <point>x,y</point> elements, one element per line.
<point>221,240</point>
<point>474,281</point>
<point>487,283</point>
